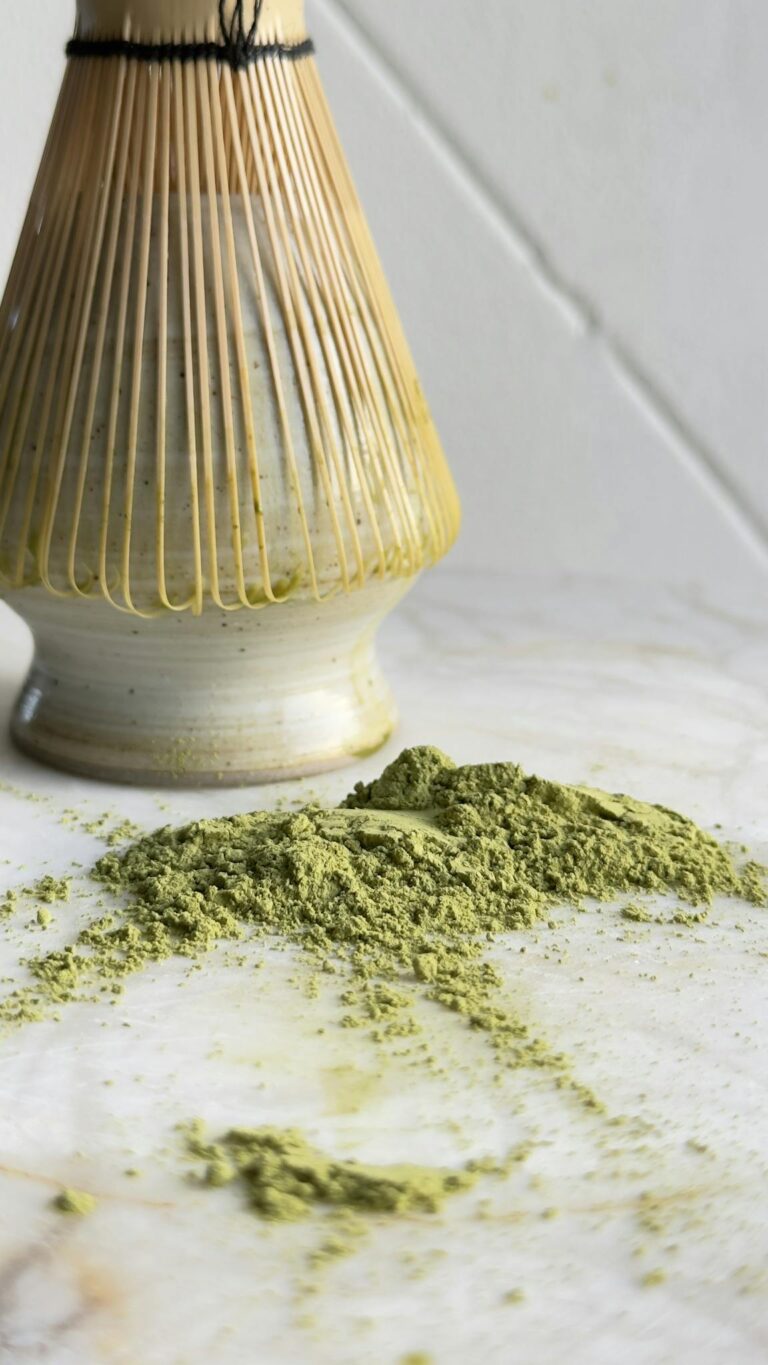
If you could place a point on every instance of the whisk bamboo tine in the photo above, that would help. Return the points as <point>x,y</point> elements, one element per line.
<point>20,274</point>
<point>30,379</point>
<point>147,177</point>
<point>129,209</point>
<point>291,228</point>
<point>357,270</point>
<point>28,293</point>
<point>378,300</point>
<point>240,178</point>
<point>250,138</point>
<point>212,147</point>
<point>163,176</point>
<point>105,207</point>
<point>81,284</point>
<point>288,285</point>
<point>205,392</point>
<point>263,191</point>
<point>342,277</point>
<point>188,384</point>
<point>329,325</point>
<point>201,326</point>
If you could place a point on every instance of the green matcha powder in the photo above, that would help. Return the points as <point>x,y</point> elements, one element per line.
<point>399,891</point>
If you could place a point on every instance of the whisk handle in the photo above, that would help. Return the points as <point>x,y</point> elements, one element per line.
<point>190,20</point>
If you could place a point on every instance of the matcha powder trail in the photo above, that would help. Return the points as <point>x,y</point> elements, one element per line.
<point>399,889</point>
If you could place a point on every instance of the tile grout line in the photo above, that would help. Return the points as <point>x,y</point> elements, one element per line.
<point>643,388</point>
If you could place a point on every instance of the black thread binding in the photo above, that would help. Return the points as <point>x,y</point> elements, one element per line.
<point>237,48</point>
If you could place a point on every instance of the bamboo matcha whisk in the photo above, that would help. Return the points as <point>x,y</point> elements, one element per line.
<point>206,399</point>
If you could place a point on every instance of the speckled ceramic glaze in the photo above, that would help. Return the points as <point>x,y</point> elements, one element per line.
<point>220,698</point>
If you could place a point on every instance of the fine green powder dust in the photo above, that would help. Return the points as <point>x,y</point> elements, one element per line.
<point>398,892</point>
<point>400,889</point>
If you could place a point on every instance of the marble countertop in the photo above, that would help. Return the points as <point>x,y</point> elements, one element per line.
<point>642,1240</point>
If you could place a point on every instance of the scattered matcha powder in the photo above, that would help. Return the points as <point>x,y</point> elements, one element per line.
<point>348,1231</point>
<point>688,918</point>
<point>106,826</point>
<point>400,890</point>
<point>653,1278</point>
<point>50,889</point>
<point>286,1178</point>
<point>122,832</point>
<point>639,914</point>
<point>9,903</point>
<point>75,1202</point>
<point>21,794</point>
<point>514,1296</point>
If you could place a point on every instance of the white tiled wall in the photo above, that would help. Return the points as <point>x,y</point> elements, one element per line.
<point>571,198</point>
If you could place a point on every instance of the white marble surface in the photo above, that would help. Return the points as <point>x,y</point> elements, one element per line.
<point>644,691</point>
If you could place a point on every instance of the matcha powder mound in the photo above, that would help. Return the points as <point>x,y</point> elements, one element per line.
<point>400,888</point>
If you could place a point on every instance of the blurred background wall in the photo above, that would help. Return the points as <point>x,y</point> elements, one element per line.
<point>571,199</point>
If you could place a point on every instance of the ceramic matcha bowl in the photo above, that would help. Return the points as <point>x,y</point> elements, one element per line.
<point>218,472</point>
